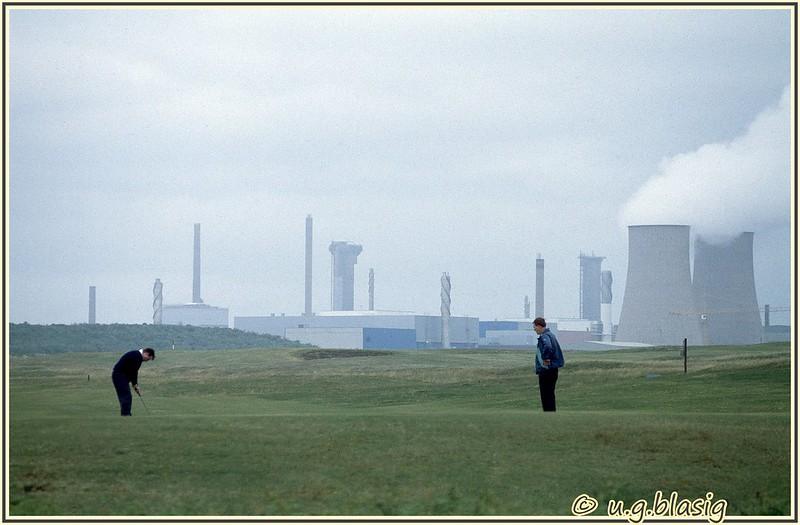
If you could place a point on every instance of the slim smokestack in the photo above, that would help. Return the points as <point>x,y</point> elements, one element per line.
<point>158,301</point>
<point>605,305</point>
<point>527,308</point>
<point>539,307</point>
<point>196,274</point>
<point>309,235</point>
<point>92,304</point>
<point>371,289</point>
<point>445,309</point>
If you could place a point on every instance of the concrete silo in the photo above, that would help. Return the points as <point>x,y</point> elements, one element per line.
<point>657,307</point>
<point>590,286</point>
<point>724,291</point>
<point>344,256</point>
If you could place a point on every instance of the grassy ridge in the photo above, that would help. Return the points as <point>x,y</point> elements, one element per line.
<point>457,432</point>
<point>56,338</point>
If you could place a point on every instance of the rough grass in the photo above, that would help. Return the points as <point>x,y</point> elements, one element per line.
<point>406,433</point>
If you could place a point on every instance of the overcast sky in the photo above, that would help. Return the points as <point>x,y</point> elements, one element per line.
<point>464,140</point>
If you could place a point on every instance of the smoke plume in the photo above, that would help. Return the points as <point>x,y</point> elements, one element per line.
<point>722,189</point>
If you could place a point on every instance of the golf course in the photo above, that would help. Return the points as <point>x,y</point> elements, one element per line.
<point>311,432</point>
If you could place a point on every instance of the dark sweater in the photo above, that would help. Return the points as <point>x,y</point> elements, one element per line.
<point>128,365</point>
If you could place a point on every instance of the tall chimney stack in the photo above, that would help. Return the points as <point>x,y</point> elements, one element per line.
<point>527,308</point>
<point>371,289</point>
<point>539,306</point>
<point>196,274</point>
<point>445,310</point>
<point>605,304</point>
<point>92,304</point>
<point>158,301</point>
<point>309,236</point>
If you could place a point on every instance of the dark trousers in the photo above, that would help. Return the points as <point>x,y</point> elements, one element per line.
<point>547,389</point>
<point>123,393</point>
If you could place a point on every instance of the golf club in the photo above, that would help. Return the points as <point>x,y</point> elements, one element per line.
<point>143,403</point>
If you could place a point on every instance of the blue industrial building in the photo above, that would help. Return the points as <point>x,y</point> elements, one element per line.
<point>365,329</point>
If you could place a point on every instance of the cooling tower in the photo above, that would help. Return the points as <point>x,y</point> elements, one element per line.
<point>309,235</point>
<point>590,287</point>
<point>539,297</point>
<point>344,256</point>
<point>196,269</point>
<point>92,304</point>
<point>725,292</point>
<point>657,307</point>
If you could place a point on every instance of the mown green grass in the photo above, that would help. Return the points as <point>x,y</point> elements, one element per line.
<point>441,433</point>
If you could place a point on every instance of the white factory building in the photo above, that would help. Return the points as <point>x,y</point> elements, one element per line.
<point>365,329</point>
<point>195,314</point>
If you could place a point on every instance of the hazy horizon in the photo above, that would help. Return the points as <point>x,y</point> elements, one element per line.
<point>459,140</point>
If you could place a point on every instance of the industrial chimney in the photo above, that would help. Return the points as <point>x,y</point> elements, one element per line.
<point>539,306</point>
<point>371,289</point>
<point>344,256</point>
<point>590,286</point>
<point>445,310</point>
<point>526,308</point>
<point>92,304</point>
<point>309,234</point>
<point>196,273</point>
<point>657,307</point>
<point>605,305</point>
<point>725,292</point>
<point>158,301</point>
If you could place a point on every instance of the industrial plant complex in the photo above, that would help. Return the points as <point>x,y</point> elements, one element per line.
<point>664,302</point>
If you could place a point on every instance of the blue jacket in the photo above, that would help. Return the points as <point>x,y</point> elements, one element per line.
<point>547,347</point>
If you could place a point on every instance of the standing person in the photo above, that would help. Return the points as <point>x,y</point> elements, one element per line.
<point>127,371</point>
<point>548,360</point>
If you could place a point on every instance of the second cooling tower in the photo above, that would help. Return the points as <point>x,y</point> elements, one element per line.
<point>725,291</point>
<point>658,307</point>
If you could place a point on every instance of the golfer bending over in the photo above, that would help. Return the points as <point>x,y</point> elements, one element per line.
<point>127,371</point>
<point>548,360</point>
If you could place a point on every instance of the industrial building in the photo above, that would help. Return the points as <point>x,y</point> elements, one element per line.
<point>195,313</point>
<point>508,333</point>
<point>572,334</point>
<point>365,329</point>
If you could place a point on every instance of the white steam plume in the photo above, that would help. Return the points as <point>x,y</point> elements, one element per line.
<point>722,189</point>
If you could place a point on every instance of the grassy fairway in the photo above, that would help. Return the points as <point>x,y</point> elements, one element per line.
<point>309,432</point>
